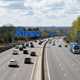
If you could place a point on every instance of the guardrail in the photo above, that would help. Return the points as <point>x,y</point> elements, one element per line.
<point>38,71</point>
<point>43,70</point>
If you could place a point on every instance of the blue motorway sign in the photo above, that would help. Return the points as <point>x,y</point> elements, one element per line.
<point>21,33</point>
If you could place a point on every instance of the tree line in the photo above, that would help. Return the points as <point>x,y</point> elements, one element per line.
<point>74,34</point>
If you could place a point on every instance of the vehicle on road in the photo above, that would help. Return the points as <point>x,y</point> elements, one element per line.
<point>24,45</point>
<point>20,47</point>
<point>13,63</point>
<point>33,53</point>
<point>60,45</point>
<point>25,51</point>
<point>31,45</point>
<point>75,49</point>
<point>72,44</point>
<point>53,43</point>
<point>15,52</point>
<point>27,61</point>
<point>66,45</point>
<point>17,46</point>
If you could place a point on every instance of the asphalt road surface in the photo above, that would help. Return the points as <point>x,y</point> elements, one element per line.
<point>24,72</point>
<point>61,63</point>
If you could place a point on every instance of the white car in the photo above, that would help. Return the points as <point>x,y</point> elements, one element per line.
<point>13,63</point>
<point>15,52</point>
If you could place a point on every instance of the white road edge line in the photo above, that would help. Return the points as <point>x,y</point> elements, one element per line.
<point>47,67</point>
<point>33,70</point>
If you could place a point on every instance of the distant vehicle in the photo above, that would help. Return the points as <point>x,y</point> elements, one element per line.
<point>13,63</point>
<point>27,44</point>
<point>60,45</point>
<point>33,53</point>
<point>31,45</point>
<point>25,51</point>
<point>53,43</point>
<point>72,43</point>
<point>40,42</point>
<point>24,45</point>
<point>66,45</point>
<point>75,49</point>
<point>15,52</point>
<point>20,47</point>
<point>27,61</point>
<point>17,46</point>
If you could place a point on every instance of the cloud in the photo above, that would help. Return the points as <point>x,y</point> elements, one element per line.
<point>39,12</point>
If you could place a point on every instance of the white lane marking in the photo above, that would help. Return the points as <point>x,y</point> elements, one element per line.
<point>33,70</point>
<point>47,67</point>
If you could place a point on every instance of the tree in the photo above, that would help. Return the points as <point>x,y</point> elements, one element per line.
<point>73,35</point>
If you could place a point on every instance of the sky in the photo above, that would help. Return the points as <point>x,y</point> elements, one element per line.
<point>39,12</point>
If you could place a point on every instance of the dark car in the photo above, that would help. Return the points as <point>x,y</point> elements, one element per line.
<point>27,61</point>
<point>66,45</point>
<point>60,45</point>
<point>25,51</point>
<point>31,45</point>
<point>21,48</point>
<point>40,43</point>
<point>33,53</point>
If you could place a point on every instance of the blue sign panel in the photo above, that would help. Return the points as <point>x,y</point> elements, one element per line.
<point>22,33</point>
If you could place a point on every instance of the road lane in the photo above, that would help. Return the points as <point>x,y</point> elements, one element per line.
<point>63,65</point>
<point>24,72</point>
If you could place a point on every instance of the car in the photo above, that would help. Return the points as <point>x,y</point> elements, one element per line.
<point>16,46</point>
<point>25,51</point>
<point>54,43</point>
<point>15,52</point>
<point>60,45</point>
<point>75,49</point>
<point>27,44</point>
<point>31,45</point>
<point>13,63</point>
<point>33,53</point>
<point>27,61</point>
<point>40,42</point>
<point>66,45</point>
<point>72,44</point>
<point>24,45</point>
<point>20,47</point>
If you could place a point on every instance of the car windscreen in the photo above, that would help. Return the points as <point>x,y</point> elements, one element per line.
<point>76,47</point>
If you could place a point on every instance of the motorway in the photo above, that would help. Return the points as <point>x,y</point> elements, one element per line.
<point>24,72</point>
<point>61,63</point>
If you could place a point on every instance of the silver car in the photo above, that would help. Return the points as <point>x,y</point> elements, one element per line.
<point>13,63</point>
<point>15,52</point>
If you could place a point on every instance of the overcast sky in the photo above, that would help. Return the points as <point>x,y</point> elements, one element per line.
<point>39,12</point>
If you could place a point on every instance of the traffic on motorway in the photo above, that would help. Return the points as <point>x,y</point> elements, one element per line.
<point>18,62</point>
<point>58,54</point>
<point>62,60</point>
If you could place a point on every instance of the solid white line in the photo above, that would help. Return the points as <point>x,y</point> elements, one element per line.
<point>47,67</point>
<point>33,70</point>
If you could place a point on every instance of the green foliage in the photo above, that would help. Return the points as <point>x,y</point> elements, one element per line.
<point>7,33</point>
<point>73,36</point>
